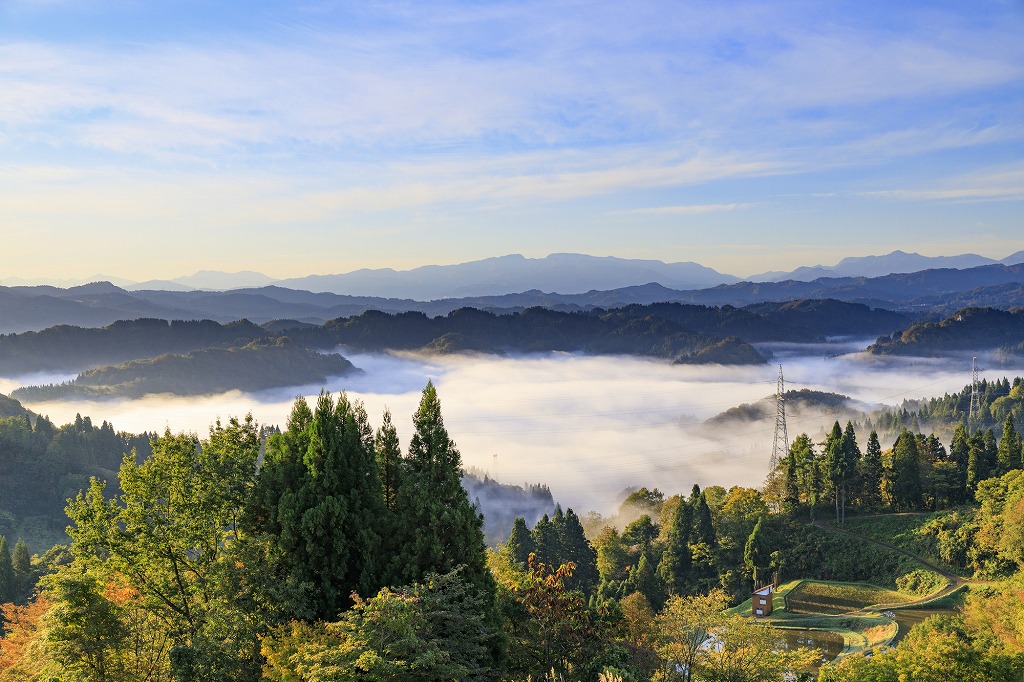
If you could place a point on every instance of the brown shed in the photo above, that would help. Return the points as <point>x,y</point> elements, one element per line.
<point>761,601</point>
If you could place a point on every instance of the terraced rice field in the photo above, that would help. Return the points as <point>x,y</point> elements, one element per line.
<point>830,598</point>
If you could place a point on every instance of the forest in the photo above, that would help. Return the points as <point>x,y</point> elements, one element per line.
<point>323,551</point>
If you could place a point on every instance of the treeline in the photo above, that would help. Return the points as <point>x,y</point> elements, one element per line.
<point>41,466</point>
<point>916,473</point>
<point>997,400</point>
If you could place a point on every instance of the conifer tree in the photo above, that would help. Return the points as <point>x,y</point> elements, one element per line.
<point>439,527</point>
<point>757,553</point>
<point>21,565</point>
<point>577,549</point>
<point>674,567</point>
<point>389,460</point>
<point>959,454</point>
<point>871,474</point>
<point>520,543</point>
<point>319,497</point>
<point>991,450</point>
<point>703,525</point>
<point>1009,451</point>
<point>977,462</point>
<point>547,545</point>
<point>7,586</point>
<point>906,473</point>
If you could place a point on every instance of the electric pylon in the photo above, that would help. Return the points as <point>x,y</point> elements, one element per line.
<point>975,399</point>
<point>780,448</point>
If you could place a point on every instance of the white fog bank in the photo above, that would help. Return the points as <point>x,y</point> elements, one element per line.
<point>587,426</point>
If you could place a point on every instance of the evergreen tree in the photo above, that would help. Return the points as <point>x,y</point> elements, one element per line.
<point>703,525</point>
<point>577,549</point>
<point>644,579</point>
<point>439,528</point>
<point>640,533</point>
<point>977,462</point>
<point>675,562</point>
<point>959,455</point>
<point>757,553</point>
<point>871,474</point>
<point>520,543</point>
<point>321,500</point>
<point>389,460</point>
<point>7,587</point>
<point>906,473</point>
<point>991,450</point>
<point>1009,451</point>
<point>21,565</point>
<point>546,542</point>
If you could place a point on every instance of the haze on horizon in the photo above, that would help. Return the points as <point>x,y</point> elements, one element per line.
<point>152,140</point>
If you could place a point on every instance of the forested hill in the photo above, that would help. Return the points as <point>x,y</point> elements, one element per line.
<point>966,329</point>
<point>253,367</point>
<point>67,348</point>
<point>668,330</point>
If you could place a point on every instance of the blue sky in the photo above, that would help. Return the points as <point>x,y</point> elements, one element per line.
<point>153,139</point>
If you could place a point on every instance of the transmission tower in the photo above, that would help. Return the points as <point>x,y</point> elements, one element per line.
<point>781,446</point>
<point>975,399</point>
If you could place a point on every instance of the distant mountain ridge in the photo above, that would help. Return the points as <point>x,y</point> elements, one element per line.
<point>889,264</point>
<point>922,294</point>
<point>565,273</point>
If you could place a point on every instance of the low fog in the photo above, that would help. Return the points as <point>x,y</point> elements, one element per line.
<point>589,427</point>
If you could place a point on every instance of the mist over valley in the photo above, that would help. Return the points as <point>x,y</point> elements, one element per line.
<point>587,426</point>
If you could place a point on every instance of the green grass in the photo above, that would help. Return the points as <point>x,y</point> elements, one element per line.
<point>831,598</point>
<point>778,601</point>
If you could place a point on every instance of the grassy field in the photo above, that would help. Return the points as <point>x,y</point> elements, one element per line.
<point>831,598</point>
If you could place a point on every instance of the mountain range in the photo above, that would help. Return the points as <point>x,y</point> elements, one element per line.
<point>565,273</point>
<point>934,293</point>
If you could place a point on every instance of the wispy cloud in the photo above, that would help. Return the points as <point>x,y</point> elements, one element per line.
<point>685,209</point>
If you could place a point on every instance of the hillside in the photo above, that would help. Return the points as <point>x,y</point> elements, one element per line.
<point>68,348</point>
<point>253,367</point>
<point>965,330</point>
<point>729,351</point>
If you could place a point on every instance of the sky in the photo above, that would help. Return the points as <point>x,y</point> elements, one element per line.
<point>149,140</point>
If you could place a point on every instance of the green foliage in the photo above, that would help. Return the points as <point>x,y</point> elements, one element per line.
<point>41,466</point>
<point>520,543</point>
<point>170,533</point>
<point>920,582</point>
<point>424,632</point>
<point>319,501</point>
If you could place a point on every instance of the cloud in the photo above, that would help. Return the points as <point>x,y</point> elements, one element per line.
<point>587,426</point>
<point>690,209</point>
<point>994,184</point>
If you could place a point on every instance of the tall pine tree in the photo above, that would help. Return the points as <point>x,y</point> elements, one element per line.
<point>440,529</point>
<point>871,475</point>
<point>906,473</point>
<point>1008,455</point>
<point>389,460</point>
<point>674,568</point>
